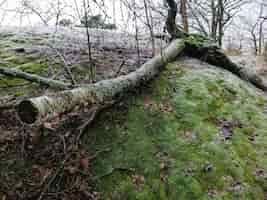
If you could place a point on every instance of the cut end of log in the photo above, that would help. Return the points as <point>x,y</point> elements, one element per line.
<point>27,112</point>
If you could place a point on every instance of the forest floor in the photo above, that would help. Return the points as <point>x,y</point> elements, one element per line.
<point>54,168</point>
<point>46,160</point>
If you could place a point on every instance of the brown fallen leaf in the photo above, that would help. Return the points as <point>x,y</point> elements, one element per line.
<point>85,162</point>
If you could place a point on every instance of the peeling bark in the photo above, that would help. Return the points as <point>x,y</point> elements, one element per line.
<point>99,93</point>
<point>34,78</point>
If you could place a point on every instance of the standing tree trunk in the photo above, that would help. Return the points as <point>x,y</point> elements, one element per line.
<point>184,15</point>
<point>214,21</point>
<point>89,45</point>
<point>171,26</point>
<point>220,21</point>
<point>136,35</point>
<point>150,26</point>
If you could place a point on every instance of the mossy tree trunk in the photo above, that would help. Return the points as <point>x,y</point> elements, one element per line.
<point>203,48</point>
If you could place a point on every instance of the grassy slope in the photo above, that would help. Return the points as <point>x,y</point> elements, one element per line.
<point>168,143</point>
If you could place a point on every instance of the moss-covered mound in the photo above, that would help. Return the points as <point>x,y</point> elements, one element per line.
<point>196,132</point>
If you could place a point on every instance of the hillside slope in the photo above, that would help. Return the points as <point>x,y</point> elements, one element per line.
<point>197,132</point>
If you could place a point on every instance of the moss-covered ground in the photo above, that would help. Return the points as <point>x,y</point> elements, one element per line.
<point>193,133</point>
<point>11,57</point>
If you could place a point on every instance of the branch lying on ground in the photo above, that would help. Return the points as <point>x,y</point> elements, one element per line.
<point>99,93</point>
<point>34,78</point>
<point>120,68</point>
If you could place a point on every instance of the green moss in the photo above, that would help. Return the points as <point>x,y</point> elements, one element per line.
<point>5,44</point>
<point>15,59</point>
<point>22,62</point>
<point>6,82</point>
<point>196,40</point>
<point>19,40</point>
<point>167,144</point>
<point>34,67</point>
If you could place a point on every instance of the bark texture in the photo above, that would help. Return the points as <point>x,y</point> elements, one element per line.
<point>34,78</point>
<point>171,25</point>
<point>184,15</point>
<point>99,93</point>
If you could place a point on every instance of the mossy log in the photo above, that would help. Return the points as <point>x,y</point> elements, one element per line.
<point>202,48</point>
<point>15,73</point>
<point>99,93</point>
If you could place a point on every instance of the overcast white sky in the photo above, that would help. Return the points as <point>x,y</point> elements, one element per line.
<point>10,17</point>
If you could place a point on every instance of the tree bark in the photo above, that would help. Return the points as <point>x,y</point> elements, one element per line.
<point>214,21</point>
<point>34,78</point>
<point>96,94</point>
<point>220,21</point>
<point>171,26</point>
<point>184,15</point>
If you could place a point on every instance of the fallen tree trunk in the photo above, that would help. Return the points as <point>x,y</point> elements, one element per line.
<point>203,49</point>
<point>96,94</point>
<point>15,73</point>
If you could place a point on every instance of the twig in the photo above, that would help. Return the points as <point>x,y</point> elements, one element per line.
<point>8,106</point>
<point>129,170</point>
<point>93,157</point>
<point>50,182</point>
<point>65,64</point>
<point>120,67</point>
<point>92,112</point>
